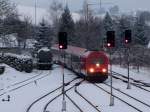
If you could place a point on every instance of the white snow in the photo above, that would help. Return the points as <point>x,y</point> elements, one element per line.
<point>22,97</point>
<point>23,56</point>
<point>44,49</point>
<point>8,41</point>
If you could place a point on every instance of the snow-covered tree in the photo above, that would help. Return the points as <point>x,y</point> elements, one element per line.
<point>108,23</point>
<point>140,32</point>
<point>6,8</point>
<point>67,25</point>
<point>123,24</point>
<point>43,36</point>
<point>55,10</point>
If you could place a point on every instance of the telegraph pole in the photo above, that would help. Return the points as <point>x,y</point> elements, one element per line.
<point>35,12</point>
<point>100,4</point>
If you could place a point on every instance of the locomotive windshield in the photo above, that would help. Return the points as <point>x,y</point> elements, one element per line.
<point>95,60</point>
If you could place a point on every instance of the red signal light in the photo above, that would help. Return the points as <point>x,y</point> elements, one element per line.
<point>62,39</point>
<point>110,39</point>
<point>127,36</point>
<point>108,45</point>
<point>126,41</point>
<point>60,46</point>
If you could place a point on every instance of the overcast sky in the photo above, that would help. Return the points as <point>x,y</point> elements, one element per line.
<point>74,5</point>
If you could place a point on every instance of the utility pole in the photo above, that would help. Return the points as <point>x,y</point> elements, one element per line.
<point>100,4</point>
<point>35,12</point>
<point>87,24</point>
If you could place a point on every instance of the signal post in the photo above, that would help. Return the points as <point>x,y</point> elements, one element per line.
<point>127,41</point>
<point>62,38</point>
<point>110,45</point>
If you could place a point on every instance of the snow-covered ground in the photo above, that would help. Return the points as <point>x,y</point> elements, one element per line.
<point>24,90</point>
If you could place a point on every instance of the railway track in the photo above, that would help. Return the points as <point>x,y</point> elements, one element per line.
<point>122,100</point>
<point>124,79</point>
<point>89,102</point>
<point>134,80</point>
<point>142,102</point>
<point>21,84</point>
<point>48,94</point>
<point>46,106</point>
<point>74,103</point>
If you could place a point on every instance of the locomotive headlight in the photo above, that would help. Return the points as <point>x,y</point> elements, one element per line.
<point>91,70</point>
<point>97,65</point>
<point>104,70</point>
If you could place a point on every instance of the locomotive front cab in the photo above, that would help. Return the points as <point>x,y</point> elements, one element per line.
<point>44,61</point>
<point>97,65</point>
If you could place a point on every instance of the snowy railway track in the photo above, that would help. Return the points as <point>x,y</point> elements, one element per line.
<point>129,96</point>
<point>74,103</point>
<point>21,84</point>
<point>134,82</point>
<point>46,95</point>
<point>89,102</point>
<point>126,98</point>
<point>118,98</point>
<point>46,106</point>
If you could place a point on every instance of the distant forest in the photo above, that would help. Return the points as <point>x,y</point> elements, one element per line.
<point>88,32</point>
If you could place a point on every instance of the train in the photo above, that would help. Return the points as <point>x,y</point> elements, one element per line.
<point>44,59</point>
<point>92,65</point>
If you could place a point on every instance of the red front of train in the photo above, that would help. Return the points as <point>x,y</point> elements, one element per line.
<point>93,65</point>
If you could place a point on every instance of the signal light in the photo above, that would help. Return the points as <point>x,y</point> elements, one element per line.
<point>108,45</point>
<point>127,37</point>
<point>60,46</point>
<point>126,41</point>
<point>62,40</point>
<point>110,39</point>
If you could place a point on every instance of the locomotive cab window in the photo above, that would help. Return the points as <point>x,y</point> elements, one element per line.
<point>99,60</point>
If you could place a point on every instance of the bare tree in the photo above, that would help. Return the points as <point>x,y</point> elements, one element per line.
<point>6,8</point>
<point>55,11</point>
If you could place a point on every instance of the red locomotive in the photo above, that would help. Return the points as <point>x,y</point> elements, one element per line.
<point>93,65</point>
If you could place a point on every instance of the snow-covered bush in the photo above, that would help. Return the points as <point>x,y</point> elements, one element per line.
<point>19,62</point>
